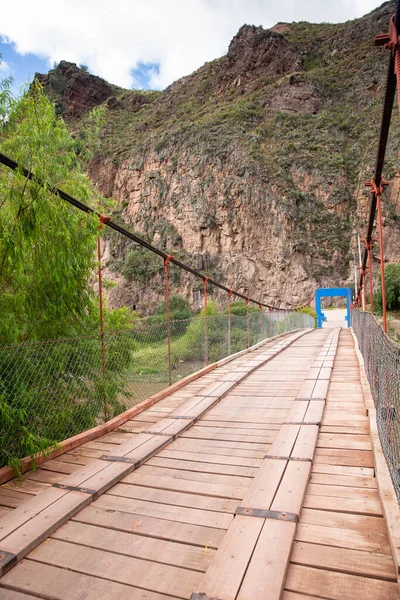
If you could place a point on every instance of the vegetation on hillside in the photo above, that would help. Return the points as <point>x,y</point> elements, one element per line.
<point>306,138</point>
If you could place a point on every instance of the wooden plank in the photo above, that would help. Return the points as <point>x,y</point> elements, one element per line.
<point>212,452</point>
<point>315,411</point>
<point>344,480</point>
<point>337,440</point>
<point>343,470</point>
<point>342,491</point>
<point>290,494</point>
<point>175,531</point>
<point>175,498</point>
<point>29,510</point>
<point>63,468</point>
<point>208,518</point>
<point>29,535</point>
<point>224,576</point>
<point>297,412</point>
<point>204,433</point>
<point>193,487</point>
<point>321,389</point>
<point>266,573</point>
<point>137,546</point>
<point>173,463</point>
<point>344,560</point>
<point>354,539</point>
<point>13,595</point>
<point>172,427</point>
<point>306,442</point>
<point>361,506</point>
<point>34,577</point>
<point>338,586</point>
<point>263,489</point>
<point>147,575</point>
<point>285,440</point>
<point>13,498</point>
<point>307,388</point>
<point>342,520</point>
<point>187,475</point>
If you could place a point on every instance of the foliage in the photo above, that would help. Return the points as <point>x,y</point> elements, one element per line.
<point>239,308</point>
<point>308,311</point>
<point>179,308</point>
<point>141,265</point>
<point>392,285</point>
<point>46,261</point>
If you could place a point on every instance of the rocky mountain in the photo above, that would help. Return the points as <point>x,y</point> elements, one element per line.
<point>252,168</point>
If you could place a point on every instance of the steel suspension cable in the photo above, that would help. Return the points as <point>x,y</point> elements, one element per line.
<point>377,183</point>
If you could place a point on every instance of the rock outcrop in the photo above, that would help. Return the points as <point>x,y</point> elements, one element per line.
<point>251,168</point>
<point>75,90</point>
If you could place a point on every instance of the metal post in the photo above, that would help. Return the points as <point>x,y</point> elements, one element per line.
<point>261,336</point>
<point>369,247</point>
<point>167,260</point>
<point>362,273</point>
<point>248,322</point>
<point>364,289</point>
<point>382,256</point>
<point>103,357</point>
<point>205,280</point>
<point>355,277</point>
<point>229,322</point>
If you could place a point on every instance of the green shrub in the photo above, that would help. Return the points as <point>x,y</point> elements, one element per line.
<point>179,308</point>
<point>392,284</point>
<point>141,265</point>
<point>308,311</point>
<point>239,308</point>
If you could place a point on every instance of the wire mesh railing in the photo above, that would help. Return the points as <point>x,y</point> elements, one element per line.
<point>382,365</point>
<point>50,391</point>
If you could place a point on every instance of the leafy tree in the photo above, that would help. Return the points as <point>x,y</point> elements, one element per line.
<point>141,265</point>
<point>392,284</point>
<point>179,308</point>
<point>47,256</point>
<point>239,308</point>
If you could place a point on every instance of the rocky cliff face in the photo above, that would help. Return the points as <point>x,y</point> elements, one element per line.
<point>251,168</point>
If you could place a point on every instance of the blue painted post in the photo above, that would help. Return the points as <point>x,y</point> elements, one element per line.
<point>329,292</point>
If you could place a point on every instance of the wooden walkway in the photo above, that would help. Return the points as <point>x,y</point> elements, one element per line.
<point>255,481</point>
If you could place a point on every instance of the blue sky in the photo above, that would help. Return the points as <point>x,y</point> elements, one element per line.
<point>22,68</point>
<point>143,43</point>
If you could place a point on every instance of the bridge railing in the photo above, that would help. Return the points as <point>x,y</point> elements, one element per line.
<point>53,390</point>
<point>382,365</point>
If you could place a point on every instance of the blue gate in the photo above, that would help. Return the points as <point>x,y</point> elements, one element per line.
<point>327,292</point>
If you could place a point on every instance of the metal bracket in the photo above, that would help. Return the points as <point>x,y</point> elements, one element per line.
<point>124,459</point>
<point>7,560</point>
<point>179,417</point>
<point>302,423</point>
<point>308,399</point>
<point>156,433</point>
<point>74,488</point>
<point>266,514</point>
<point>202,596</point>
<point>287,457</point>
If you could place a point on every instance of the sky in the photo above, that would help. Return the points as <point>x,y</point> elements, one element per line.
<point>142,43</point>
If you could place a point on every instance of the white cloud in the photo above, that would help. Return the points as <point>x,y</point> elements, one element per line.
<point>111,38</point>
<point>5,68</point>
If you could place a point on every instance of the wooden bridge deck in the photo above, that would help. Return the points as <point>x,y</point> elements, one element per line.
<point>256,481</point>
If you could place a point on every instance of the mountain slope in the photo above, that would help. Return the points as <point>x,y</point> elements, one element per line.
<point>251,168</point>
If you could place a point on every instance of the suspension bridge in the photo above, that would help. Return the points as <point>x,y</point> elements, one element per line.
<point>271,473</point>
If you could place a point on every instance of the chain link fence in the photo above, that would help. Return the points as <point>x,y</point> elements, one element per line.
<point>52,390</point>
<point>382,365</point>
